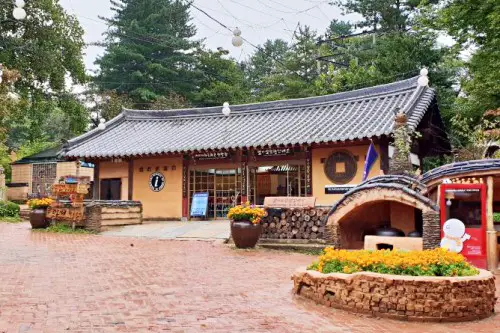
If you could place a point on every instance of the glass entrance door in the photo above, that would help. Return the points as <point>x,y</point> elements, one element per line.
<point>223,187</point>
<point>286,180</point>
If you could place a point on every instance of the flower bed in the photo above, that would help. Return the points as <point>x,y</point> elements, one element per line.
<point>437,262</point>
<point>465,294</point>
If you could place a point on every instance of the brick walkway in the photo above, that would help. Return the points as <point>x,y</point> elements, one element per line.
<point>81,283</point>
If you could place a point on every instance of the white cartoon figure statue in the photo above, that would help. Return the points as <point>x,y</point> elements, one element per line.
<point>454,235</point>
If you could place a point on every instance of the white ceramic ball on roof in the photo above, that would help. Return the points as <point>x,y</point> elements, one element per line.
<point>424,71</point>
<point>423,81</point>
<point>20,3</point>
<point>226,111</point>
<point>237,31</point>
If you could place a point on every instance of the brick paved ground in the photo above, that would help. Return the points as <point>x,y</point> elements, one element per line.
<point>82,283</point>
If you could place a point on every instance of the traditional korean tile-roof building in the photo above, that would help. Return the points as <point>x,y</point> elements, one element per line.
<point>163,157</point>
<point>35,174</point>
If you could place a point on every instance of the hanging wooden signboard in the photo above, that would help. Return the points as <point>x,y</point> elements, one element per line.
<point>67,189</point>
<point>61,209</point>
<point>65,213</point>
<point>274,152</point>
<point>216,155</point>
<point>289,202</point>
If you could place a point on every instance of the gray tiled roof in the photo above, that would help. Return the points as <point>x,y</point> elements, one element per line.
<point>404,184</point>
<point>458,168</point>
<point>352,115</point>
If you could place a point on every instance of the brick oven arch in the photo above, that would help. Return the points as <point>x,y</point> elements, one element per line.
<point>384,190</point>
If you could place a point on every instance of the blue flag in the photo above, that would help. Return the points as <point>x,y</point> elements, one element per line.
<point>371,157</point>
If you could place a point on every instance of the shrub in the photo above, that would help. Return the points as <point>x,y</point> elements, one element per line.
<point>437,262</point>
<point>9,209</point>
<point>496,217</point>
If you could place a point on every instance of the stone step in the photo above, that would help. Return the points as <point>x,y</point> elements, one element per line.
<point>24,213</point>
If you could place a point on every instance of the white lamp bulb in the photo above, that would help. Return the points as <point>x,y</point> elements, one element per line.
<point>19,13</point>
<point>237,41</point>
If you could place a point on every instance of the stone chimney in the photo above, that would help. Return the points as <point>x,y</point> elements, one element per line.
<point>400,161</point>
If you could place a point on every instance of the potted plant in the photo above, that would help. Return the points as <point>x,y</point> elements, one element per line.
<point>38,212</point>
<point>245,225</point>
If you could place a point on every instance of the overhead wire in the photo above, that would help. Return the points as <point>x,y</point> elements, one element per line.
<point>153,39</point>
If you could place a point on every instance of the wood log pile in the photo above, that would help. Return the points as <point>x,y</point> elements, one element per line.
<point>295,223</point>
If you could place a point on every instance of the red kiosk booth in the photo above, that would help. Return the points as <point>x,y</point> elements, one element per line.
<point>463,221</point>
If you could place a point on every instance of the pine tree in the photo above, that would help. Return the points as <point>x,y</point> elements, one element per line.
<point>149,51</point>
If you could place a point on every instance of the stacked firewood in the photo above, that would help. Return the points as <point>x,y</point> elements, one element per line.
<point>295,223</point>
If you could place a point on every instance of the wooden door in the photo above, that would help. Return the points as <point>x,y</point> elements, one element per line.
<point>111,189</point>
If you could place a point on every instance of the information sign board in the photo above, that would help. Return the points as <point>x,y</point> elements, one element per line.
<point>199,204</point>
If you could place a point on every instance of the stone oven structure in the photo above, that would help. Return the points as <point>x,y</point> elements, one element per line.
<point>384,201</point>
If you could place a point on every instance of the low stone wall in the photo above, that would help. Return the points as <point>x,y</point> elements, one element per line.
<point>295,223</point>
<point>414,298</point>
<point>112,213</point>
<point>17,192</point>
<point>100,213</point>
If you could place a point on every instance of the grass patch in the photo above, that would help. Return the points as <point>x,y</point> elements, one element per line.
<point>309,252</point>
<point>64,229</point>
<point>9,219</point>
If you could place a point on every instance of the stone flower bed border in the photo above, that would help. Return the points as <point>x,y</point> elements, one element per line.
<point>415,298</point>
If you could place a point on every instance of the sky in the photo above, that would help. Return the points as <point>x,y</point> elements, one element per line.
<point>258,21</point>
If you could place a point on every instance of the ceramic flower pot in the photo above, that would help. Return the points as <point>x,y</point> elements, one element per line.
<point>38,218</point>
<point>245,234</point>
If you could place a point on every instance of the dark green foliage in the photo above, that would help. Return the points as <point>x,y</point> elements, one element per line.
<point>385,15</point>
<point>475,24</point>
<point>149,51</point>
<point>9,209</point>
<point>339,28</point>
<point>292,71</point>
<point>45,49</point>
<point>223,81</point>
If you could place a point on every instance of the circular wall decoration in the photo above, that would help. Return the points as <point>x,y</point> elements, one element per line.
<point>341,167</point>
<point>157,181</point>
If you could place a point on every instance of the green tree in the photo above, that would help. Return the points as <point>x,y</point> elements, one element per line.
<point>45,48</point>
<point>386,15</point>
<point>295,74</point>
<point>265,61</point>
<point>223,81</point>
<point>475,25</point>
<point>149,51</point>
<point>339,28</point>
